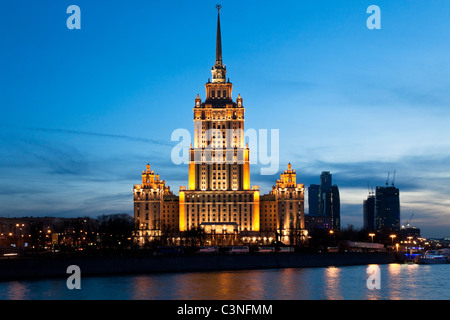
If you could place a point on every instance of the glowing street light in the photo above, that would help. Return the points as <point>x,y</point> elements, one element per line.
<point>392,237</point>
<point>372,235</point>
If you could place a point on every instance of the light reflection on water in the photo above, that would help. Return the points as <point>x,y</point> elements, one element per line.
<point>333,283</point>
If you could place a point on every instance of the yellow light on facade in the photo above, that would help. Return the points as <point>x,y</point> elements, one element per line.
<point>192,175</point>
<point>182,212</point>
<point>256,211</point>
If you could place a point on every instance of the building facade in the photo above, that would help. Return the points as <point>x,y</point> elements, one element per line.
<point>156,208</point>
<point>313,199</point>
<point>40,232</point>
<point>369,213</point>
<point>387,206</point>
<point>219,199</point>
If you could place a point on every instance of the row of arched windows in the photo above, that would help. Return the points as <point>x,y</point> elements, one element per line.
<point>219,93</point>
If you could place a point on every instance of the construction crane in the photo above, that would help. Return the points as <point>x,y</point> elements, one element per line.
<point>387,180</point>
<point>393,179</point>
<point>371,193</point>
<point>409,222</point>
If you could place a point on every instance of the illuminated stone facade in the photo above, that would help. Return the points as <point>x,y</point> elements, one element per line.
<point>219,197</point>
<point>282,211</point>
<point>156,208</point>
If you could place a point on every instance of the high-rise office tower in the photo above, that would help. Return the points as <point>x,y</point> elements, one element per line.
<point>324,200</point>
<point>313,199</point>
<point>325,194</point>
<point>369,213</point>
<point>325,181</point>
<point>387,204</point>
<point>335,212</point>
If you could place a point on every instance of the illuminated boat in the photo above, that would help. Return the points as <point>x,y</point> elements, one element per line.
<point>431,257</point>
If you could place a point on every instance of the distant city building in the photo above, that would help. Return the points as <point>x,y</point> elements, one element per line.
<point>369,213</point>
<point>335,212</point>
<point>387,206</point>
<point>406,232</point>
<point>325,194</point>
<point>30,231</point>
<point>325,181</point>
<point>324,200</point>
<point>316,222</point>
<point>219,202</point>
<point>313,199</point>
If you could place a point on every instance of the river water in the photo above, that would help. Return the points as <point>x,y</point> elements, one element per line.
<point>393,281</point>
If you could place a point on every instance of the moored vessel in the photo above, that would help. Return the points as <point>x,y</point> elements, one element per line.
<point>431,257</point>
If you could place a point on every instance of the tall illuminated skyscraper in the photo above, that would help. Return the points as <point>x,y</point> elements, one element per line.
<point>219,200</point>
<point>219,169</point>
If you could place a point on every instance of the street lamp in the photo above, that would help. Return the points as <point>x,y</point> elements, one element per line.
<point>392,237</point>
<point>410,247</point>
<point>371,235</point>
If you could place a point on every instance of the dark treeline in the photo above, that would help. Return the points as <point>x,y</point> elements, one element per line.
<point>106,234</point>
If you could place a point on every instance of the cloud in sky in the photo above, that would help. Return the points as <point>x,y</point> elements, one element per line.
<point>95,134</point>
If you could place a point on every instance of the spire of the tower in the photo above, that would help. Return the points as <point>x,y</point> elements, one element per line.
<point>218,39</point>
<point>218,70</point>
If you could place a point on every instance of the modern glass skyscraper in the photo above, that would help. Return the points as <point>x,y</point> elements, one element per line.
<point>335,212</point>
<point>387,206</point>
<point>313,199</point>
<point>325,181</point>
<point>324,200</point>
<point>369,213</point>
<point>325,194</point>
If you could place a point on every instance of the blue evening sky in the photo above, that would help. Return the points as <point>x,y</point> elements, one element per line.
<point>83,111</point>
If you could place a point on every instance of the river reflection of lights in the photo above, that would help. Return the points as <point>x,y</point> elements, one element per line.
<point>17,291</point>
<point>332,281</point>
<point>398,276</point>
